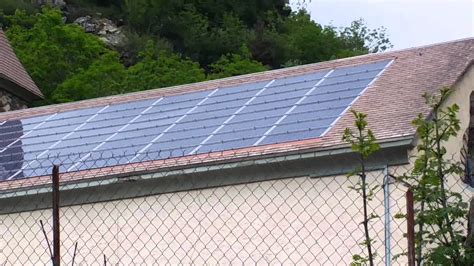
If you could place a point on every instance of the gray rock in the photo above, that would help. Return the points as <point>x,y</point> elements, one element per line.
<point>105,29</point>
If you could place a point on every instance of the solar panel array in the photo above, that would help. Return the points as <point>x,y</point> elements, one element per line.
<point>266,112</point>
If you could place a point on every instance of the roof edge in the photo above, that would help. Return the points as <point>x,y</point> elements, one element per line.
<point>403,141</point>
<point>18,90</point>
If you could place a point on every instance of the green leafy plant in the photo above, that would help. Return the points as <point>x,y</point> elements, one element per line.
<point>363,142</point>
<point>235,64</point>
<point>441,212</point>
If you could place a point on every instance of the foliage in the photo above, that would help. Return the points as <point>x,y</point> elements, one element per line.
<point>235,64</point>
<point>363,143</point>
<point>309,42</point>
<point>10,6</point>
<point>69,64</point>
<point>107,76</point>
<point>442,212</point>
<point>299,40</point>
<point>207,30</point>
<point>52,51</point>
<point>361,40</point>
<point>135,43</point>
<point>161,69</point>
<point>111,9</point>
<point>103,77</point>
<point>197,39</point>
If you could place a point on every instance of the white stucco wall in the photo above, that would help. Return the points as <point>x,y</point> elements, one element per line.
<point>297,220</point>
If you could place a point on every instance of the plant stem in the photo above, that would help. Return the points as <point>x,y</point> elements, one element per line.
<point>419,248</point>
<point>364,197</point>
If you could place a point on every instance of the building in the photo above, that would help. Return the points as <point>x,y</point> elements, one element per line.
<point>248,169</point>
<point>17,89</point>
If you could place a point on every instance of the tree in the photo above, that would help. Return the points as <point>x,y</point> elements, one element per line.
<point>359,39</point>
<point>195,38</point>
<point>298,39</point>
<point>363,143</point>
<point>442,212</point>
<point>161,69</point>
<point>235,64</point>
<point>52,51</point>
<point>103,77</point>
<point>10,6</point>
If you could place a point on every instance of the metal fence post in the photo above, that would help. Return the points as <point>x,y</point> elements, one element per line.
<point>56,239</point>
<point>410,227</point>
<point>387,216</point>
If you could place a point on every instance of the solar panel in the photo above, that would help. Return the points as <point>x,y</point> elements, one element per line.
<point>267,112</point>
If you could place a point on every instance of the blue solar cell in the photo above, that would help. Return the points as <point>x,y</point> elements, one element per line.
<point>302,117</point>
<point>267,112</point>
<point>283,82</point>
<point>228,145</point>
<point>317,123</point>
<point>379,65</point>
<point>308,106</point>
<point>334,96</point>
<point>241,90</point>
<point>162,116</point>
<point>362,78</point>
<point>14,129</point>
<point>234,137</point>
<point>251,118</point>
<point>339,89</point>
<point>178,147</point>
<point>34,145</point>
<point>275,93</point>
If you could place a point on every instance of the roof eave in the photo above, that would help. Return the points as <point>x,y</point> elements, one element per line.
<point>18,90</point>
<point>406,141</point>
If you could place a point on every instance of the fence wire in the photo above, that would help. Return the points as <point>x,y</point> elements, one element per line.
<point>206,214</point>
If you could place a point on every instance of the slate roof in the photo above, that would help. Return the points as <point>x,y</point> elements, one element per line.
<point>12,70</point>
<point>391,103</point>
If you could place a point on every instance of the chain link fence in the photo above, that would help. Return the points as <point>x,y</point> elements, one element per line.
<point>204,213</point>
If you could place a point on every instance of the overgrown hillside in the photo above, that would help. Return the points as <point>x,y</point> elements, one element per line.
<point>168,42</point>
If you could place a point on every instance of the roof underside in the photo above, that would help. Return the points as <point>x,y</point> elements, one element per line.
<point>271,112</point>
<point>12,70</point>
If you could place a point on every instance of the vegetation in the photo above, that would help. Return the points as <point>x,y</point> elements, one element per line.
<point>363,143</point>
<point>170,42</point>
<point>442,212</point>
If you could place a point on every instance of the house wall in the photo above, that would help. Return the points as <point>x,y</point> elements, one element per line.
<point>302,219</point>
<point>290,212</point>
<point>299,220</point>
<point>10,102</point>
<point>461,96</point>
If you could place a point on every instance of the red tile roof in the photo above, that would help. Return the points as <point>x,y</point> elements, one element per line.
<point>12,70</point>
<point>391,103</point>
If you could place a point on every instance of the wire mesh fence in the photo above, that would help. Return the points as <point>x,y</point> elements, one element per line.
<point>192,211</point>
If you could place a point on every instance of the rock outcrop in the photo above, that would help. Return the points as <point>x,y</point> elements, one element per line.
<point>105,29</point>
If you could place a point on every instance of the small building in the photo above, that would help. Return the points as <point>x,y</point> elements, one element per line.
<point>17,89</point>
<point>243,170</point>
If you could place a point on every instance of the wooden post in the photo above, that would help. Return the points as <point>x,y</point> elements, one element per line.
<point>56,239</point>
<point>410,227</point>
